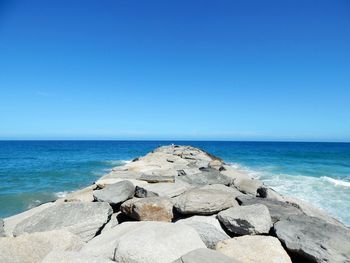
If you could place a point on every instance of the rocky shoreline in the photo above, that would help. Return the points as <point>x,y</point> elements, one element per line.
<point>175,204</point>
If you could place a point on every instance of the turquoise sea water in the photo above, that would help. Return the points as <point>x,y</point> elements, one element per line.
<point>33,172</point>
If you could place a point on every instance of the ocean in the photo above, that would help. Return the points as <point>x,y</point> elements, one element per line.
<point>33,172</point>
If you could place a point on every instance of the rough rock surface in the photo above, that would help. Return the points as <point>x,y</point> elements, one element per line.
<point>34,247</point>
<point>246,220</point>
<point>115,193</point>
<point>313,239</point>
<point>212,220</point>
<point>204,255</point>
<point>254,249</point>
<point>231,190</point>
<point>278,210</point>
<point>59,256</point>
<point>145,242</point>
<point>248,186</point>
<point>204,201</point>
<point>82,219</point>
<point>209,234</point>
<point>11,222</point>
<point>207,176</point>
<point>2,231</point>
<point>83,195</point>
<point>149,209</point>
<point>163,189</point>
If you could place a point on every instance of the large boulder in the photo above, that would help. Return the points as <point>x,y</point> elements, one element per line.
<point>162,189</point>
<point>161,242</point>
<point>83,195</point>
<point>82,219</point>
<point>314,239</point>
<point>254,249</point>
<point>231,190</point>
<point>278,209</point>
<point>212,220</point>
<point>34,247</point>
<point>204,201</point>
<point>204,255</point>
<point>246,220</point>
<point>149,209</point>
<point>209,234</point>
<point>11,222</point>
<point>115,193</point>
<point>2,231</point>
<point>248,186</point>
<point>207,176</point>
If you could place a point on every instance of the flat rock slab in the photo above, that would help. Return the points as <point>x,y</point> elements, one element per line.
<point>278,210</point>
<point>162,189</point>
<point>82,219</point>
<point>204,255</point>
<point>145,242</point>
<point>12,221</point>
<point>254,249</point>
<point>314,239</point>
<point>231,190</point>
<point>158,178</point>
<point>34,247</point>
<point>115,193</point>
<point>246,220</point>
<point>207,176</point>
<point>204,201</point>
<point>149,209</point>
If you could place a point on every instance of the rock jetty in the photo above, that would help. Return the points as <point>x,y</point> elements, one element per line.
<point>177,204</point>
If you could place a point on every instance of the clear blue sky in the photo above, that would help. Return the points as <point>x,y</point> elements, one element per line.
<point>234,70</point>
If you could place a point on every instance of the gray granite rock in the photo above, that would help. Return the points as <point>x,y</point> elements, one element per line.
<point>12,221</point>
<point>158,178</point>
<point>314,239</point>
<point>204,255</point>
<point>248,186</point>
<point>59,256</point>
<point>278,210</point>
<point>149,209</point>
<point>2,231</point>
<point>231,190</point>
<point>204,201</point>
<point>254,249</point>
<point>145,242</point>
<point>246,220</point>
<point>207,176</point>
<point>162,189</point>
<point>209,234</point>
<point>212,220</point>
<point>82,219</point>
<point>142,192</point>
<point>30,248</point>
<point>115,193</point>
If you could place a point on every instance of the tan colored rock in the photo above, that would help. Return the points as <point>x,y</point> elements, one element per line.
<point>34,247</point>
<point>204,201</point>
<point>254,249</point>
<point>102,183</point>
<point>59,256</point>
<point>149,209</point>
<point>83,195</point>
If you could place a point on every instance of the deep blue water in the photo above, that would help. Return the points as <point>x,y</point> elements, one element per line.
<point>32,172</point>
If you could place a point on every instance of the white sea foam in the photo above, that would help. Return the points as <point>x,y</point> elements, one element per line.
<point>61,194</point>
<point>118,162</point>
<point>328,194</point>
<point>336,182</point>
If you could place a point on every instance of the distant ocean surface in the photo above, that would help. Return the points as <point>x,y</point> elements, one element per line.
<point>33,172</point>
